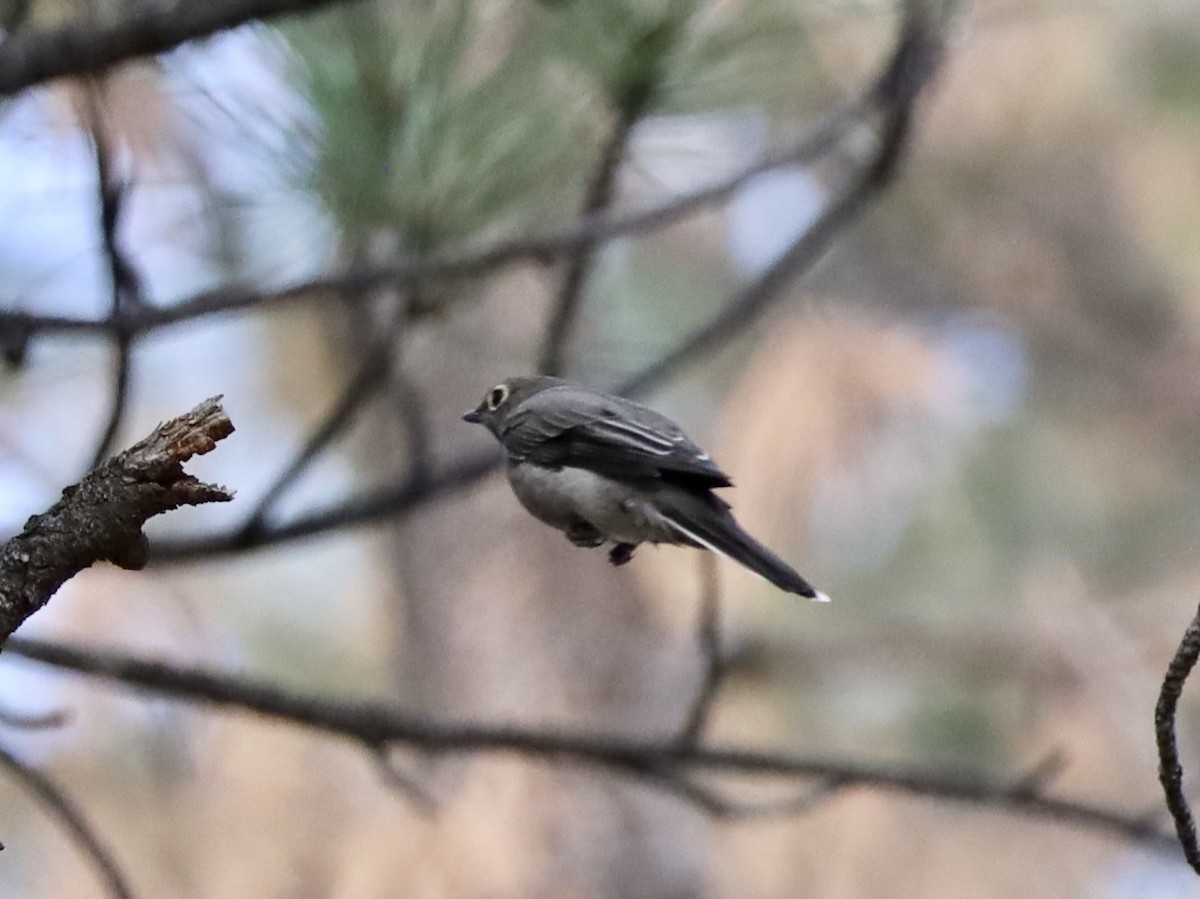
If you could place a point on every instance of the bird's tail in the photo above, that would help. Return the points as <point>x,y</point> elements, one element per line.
<point>713,527</point>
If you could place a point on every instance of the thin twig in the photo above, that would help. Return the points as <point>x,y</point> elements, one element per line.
<point>670,780</point>
<point>1170,770</point>
<point>392,775</point>
<point>359,281</point>
<point>1043,773</point>
<point>61,807</point>
<point>120,397</point>
<point>896,90</point>
<point>381,504</point>
<point>597,198</point>
<point>372,374</point>
<point>372,724</point>
<point>34,721</point>
<point>801,803</point>
<point>124,284</point>
<point>708,632</point>
<point>413,412</point>
<point>718,805</point>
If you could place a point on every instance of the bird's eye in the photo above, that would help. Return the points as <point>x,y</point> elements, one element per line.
<point>498,395</point>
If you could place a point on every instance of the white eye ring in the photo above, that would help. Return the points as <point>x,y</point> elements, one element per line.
<point>496,396</point>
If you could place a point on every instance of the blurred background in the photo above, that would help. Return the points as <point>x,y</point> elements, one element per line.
<point>975,424</point>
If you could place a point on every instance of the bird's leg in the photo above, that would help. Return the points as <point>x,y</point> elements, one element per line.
<point>583,533</point>
<point>621,553</point>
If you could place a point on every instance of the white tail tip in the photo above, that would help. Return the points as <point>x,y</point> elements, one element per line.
<point>821,597</point>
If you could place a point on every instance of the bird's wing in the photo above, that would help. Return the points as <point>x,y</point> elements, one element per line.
<point>581,428</point>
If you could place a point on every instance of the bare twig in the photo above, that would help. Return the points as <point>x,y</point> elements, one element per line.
<point>86,46</point>
<point>718,805</point>
<point>71,817</point>
<point>120,398</point>
<point>597,198</point>
<point>18,327</point>
<point>1043,773</point>
<point>896,92</point>
<point>373,724</point>
<point>708,632</point>
<point>670,780</point>
<point>101,517</point>
<point>39,721</point>
<point>372,374</point>
<point>413,412</point>
<point>1170,771</point>
<point>381,504</point>
<point>800,803</point>
<point>124,284</point>
<point>403,782</point>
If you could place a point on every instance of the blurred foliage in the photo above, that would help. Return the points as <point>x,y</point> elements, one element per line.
<point>412,142</point>
<point>433,130</point>
<point>1170,61</point>
<point>624,47</point>
<point>957,728</point>
<point>691,56</point>
<point>13,14</point>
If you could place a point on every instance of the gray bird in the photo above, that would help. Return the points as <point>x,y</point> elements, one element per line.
<point>604,469</point>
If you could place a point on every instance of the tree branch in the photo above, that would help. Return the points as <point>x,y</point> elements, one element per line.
<point>60,806</point>
<point>708,630</point>
<point>377,362</point>
<point>1170,771</point>
<point>34,721</point>
<point>86,46</point>
<point>101,517</point>
<point>18,327</point>
<point>895,91</point>
<point>412,412</point>
<point>382,504</point>
<point>374,724</point>
<point>597,199</point>
<point>124,284</point>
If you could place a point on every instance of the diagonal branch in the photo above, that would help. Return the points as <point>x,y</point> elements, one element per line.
<point>124,284</point>
<point>59,805</point>
<point>412,412</point>
<point>101,517</point>
<point>359,281</point>
<point>33,721</point>
<point>373,724</point>
<point>896,92</point>
<point>715,803</point>
<point>1170,771</point>
<point>394,776</point>
<point>597,198</point>
<point>371,375</point>
<point>382,504</point>
<point>85,46</point>
<point>709,638</point>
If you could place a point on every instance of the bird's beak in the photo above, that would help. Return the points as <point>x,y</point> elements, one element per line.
<point>474,416</point>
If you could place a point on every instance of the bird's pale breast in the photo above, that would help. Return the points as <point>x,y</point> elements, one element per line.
<point>559,496</point>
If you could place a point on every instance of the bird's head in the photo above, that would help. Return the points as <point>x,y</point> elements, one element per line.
<point>498,402</point>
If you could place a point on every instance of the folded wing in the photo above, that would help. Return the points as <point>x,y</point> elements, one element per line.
<point>576,427</point>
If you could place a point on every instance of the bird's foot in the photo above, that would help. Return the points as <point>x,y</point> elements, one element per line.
<point>621,553</point>
<point>581,533</point>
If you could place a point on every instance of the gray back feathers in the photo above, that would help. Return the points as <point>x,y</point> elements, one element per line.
<point>565,424</point>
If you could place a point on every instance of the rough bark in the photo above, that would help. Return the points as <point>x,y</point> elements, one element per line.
<point>101,517</point>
